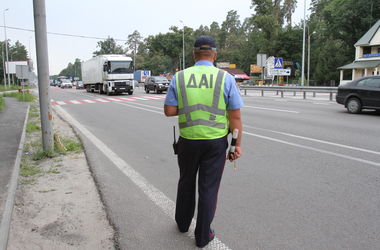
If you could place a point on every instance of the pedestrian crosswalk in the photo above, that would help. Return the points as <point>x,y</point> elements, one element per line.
<point>109,99</point>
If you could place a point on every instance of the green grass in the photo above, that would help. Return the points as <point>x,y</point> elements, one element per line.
<point>34,109</point>
<point>32,126</point>
<point>33,115</point>
<point>40,154</point>
<point>21,97</point>
<point>28,181</point>
<point>2,104</point>
<point>53,171</point>
<point>47,191</point>
<point>71,145</point>
<point>12,87</point>
<point>29,170</point>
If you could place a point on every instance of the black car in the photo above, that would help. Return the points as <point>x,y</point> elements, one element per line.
<point>157,84</point>
<point>363,93</point>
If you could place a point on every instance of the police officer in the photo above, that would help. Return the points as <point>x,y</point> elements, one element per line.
<point>207,102</point>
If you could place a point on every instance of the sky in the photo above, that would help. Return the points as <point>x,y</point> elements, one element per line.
<point>114,18</point>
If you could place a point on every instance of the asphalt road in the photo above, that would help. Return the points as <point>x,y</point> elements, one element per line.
<point>309,177</point>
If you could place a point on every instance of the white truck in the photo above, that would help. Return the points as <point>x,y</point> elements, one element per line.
<point>108,74</point>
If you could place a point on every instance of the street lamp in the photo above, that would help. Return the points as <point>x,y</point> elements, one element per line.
<point>308,55</point>
<point>6,46</point>
<point>183,44</point>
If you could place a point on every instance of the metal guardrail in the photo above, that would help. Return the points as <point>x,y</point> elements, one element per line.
<point>295,89</point>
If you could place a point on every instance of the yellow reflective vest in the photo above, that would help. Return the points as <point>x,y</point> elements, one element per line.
<point>201,105</point>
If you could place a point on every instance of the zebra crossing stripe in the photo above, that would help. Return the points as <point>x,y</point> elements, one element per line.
<point>113,99</point>
<point>88,101</point>
<point>100,100</point>
<point>109,99</point>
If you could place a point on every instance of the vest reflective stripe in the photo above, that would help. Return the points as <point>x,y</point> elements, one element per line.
<point>181,81</point>
<point>202,122</point>
<point>195,107</point>
<point>216,125</point>
<point>216,97</point>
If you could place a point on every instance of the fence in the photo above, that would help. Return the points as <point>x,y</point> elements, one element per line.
<point>295,89</point>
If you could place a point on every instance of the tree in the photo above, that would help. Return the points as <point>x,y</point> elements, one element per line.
<point>72,70</point>
<point>133,42</point>
<point>289,8</point>
<point>16,52</point>
<point>108,46</point>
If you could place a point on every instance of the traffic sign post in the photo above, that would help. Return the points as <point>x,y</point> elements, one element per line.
<point>278,63</point>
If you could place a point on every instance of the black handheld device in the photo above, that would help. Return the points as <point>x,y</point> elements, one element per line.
<point>175,143</point>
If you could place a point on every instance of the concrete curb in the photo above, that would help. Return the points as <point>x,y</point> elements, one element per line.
<point>9,203</point>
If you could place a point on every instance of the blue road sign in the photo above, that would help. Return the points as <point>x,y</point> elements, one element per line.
<point>278,63</point>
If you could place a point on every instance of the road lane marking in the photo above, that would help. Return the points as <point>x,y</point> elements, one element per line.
<point>271,109</point>
<point>101,100</point>
<point>113,99</point>
<point>317,140</point>
<point>377,164</point>
<point>88,101</point>
<point>134,106</point>
<point>106,100</point>
<point>149,106</point>
<point>154,194</point>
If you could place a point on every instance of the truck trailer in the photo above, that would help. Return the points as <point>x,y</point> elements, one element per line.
<point>108,74</point>
<point>141,75</point>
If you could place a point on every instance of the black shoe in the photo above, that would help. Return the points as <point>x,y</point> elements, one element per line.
<point>211,236</point>
<point>182,230</point>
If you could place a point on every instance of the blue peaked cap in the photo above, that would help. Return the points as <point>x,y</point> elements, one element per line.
<point>205,43</point>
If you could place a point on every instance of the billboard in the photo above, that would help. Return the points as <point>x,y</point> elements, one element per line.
<point>12,66</point>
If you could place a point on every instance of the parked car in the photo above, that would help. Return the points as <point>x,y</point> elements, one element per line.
<point>363,93</point>
<point>79,85</point>
<point>66,84</point>
<point>156,84</point>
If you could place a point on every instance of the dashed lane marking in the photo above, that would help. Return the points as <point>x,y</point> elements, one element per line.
<point>109,99</point>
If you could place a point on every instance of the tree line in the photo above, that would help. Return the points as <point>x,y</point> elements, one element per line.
<point>16,52</point>
<point>333,27</point>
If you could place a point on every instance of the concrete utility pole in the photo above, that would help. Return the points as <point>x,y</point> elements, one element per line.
<point>43,74</point>
<point>5,78</point>
<point>303,45</point>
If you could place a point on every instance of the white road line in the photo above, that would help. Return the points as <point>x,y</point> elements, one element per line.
<point>138,98</point>
<point>377,164</point>
<point>61,103</point>
<point>154,194</point>
<point>88,101</point>
<point>134,106</point>
<point>127,99</point>
<point>270,109</point>
<point>149,106</point>
<point>101,100</point>
<point>113,99</point>
<point>320,103</point>
<point>74,102</point>
<point>317,140</point>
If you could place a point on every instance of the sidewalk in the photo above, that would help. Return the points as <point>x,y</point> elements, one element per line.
<point>57,205</point>
<point>12,119</point>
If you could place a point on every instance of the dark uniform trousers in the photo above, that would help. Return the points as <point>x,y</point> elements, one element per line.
<point>208,157</point>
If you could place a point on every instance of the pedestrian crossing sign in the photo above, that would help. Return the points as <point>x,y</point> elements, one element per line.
<point>278,63</point>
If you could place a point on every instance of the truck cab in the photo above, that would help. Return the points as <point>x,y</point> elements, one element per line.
<point>108,74</point>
